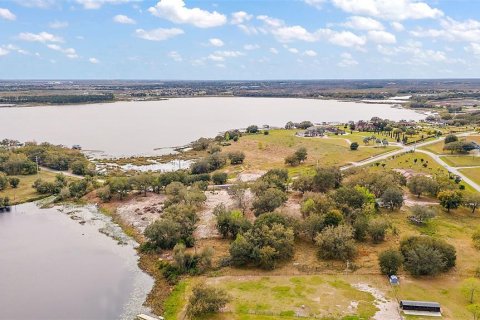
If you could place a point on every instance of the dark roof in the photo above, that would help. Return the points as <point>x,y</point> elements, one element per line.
<point>419,303</point>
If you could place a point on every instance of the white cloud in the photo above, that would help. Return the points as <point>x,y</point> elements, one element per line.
<point>39,37</point>
<point>176,11</point>
<point>285,34</point>
<point>214,57</point>
<point>216,42</point>
<point>97,4</point>
<point>123,19</point>
<point>293,50</point>
<point>159,34</point>
<point>14,48</point>
<point>395,10</point>
<point>397,26</point>
<point>240,17</point>
<point>3,52</point>
<point>251,47</point>
<point>381,37</point>
<point>315,3</point>
<point>58,24</point>
<point>7,14</point>
<point>346,39</point>
<point>229,54</point>
<point>310,53</point>
<point>452,30</point>
<point>363,23</point>
<point>43,4</point>
<point>175,56</point>
<point>94,60</point>
<point>69,52</point>
<point>417,54</point>
<point>347,60</point>
<point>473,48</point>
<point>273,51</point>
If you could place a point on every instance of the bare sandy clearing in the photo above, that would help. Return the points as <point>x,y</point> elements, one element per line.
<point>141,211</point>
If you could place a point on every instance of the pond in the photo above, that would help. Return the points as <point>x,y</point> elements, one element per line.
<point>55,264</point>
<point>155,127</point>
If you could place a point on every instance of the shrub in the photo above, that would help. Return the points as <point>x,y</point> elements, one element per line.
<point>231,223</point>
<point>422,214</point>
<point>201,144</point>
<point>390,261</point>
<point>3,181</point>
<point>292,160</point>
<point>450,138</point>
<point>219,178</point>
<point>206,300</point>
<point>476,239</point>
<point>104,194</point>
<point>252,129</point>
<point>354,146</point>
<point>301,154</point>
<point>303,184</point>
<point>427,256</point>
<point>377,229</point>
<point>326,179</point>
<point>336,243</point>
<point>14,182</point>
<point>236,157</point>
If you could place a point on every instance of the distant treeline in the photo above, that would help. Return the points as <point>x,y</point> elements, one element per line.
<point>58,99</point>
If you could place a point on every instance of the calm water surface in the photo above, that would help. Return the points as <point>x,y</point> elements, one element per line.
<point>53,267</point>
<point>138,128</point>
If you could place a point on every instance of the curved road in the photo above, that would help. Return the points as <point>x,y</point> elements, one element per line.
<point>414,148</point>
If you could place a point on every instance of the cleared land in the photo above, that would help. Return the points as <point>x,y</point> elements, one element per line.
<point>269,151</point>
<point>437,148</point>
<point>462,161</point>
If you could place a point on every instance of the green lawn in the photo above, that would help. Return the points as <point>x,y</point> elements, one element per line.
<point>24,192</point>
<point>473,174</point>
<point>462,161</point>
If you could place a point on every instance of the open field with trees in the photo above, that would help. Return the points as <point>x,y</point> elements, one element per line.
<point>318,241</point>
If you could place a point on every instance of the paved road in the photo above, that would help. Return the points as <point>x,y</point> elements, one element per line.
<point>416,149</point>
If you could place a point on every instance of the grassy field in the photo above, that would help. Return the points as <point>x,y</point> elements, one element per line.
<point>24,192</point>
<point>269,151</point>
<point>473,173</point>
<point>462,161</point>
<point>437,148</point>
<point>424,163</point>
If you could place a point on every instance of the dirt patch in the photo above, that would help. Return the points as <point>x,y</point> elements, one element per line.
<point>206,226</point>
<point>250,176</point>
<point>139,212</point>
<point>411,201</point>
<point>387,308</point>
<point>292,207</point>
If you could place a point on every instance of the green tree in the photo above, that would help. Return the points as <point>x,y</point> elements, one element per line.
<point>303,184</point>
<point>420,184</point>
<point>472,201</point>
<point>471,289</point>
<point>354,145</point>
<point>292,160</point>
<point>252,129</point>
<point>450,138</point>
<point>390,261</point>
<point>301,154</point>
<point>326,179</point>
<point>474,309</point>
<point>336,243</point>
<point>268,201</point>
<point>450,199</point>
<point>393,198</point>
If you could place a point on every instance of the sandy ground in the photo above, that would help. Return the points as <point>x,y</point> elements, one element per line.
<point>388,308</point>
<point>250,176</point>
<point>206,226</point>
<point>411,200</point>
<point>141,211</point>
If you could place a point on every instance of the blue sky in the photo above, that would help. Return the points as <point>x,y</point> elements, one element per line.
<point>232,39</point>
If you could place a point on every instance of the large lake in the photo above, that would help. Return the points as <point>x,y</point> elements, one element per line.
<point>138,128</point>
<point>53,267</point>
